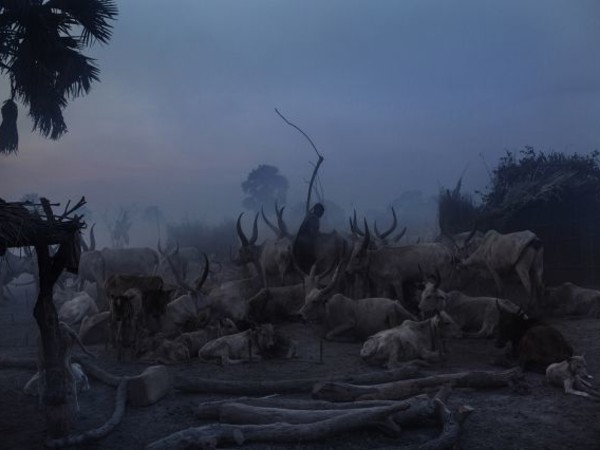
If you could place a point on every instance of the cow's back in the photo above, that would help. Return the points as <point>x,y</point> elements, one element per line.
<point>135,260</point>
<point>374,315</point>
<point>543,345</point>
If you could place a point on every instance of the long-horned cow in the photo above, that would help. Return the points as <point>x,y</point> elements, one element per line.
<point>395,267</point>
<point>97,265</point>
<point>521,252</point>
<point>12,267</point>
<point>568,299</point>
<point>476,316</point>
<point>410,340</point>
<point>347,319</point>
<point>272,259</point>
<point>186,260</point>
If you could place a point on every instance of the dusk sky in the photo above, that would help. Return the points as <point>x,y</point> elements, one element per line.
<point>397,95</point>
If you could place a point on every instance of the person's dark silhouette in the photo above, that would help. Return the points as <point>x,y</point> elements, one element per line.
<point>306,240</point>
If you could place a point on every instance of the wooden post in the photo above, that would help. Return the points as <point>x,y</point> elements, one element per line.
<point>59,414</point>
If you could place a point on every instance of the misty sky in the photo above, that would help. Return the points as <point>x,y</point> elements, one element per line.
<point>397,95</point>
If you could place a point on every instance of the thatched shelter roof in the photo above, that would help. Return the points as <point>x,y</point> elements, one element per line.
<point>22,225</point>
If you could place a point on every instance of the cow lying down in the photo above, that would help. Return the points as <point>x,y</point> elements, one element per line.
<point>534,344</point>
<point>568,373</point>
<point>256,344</point>
<point>568,299</point>
<point>165,349</point>
<point>411,340</point>
<point>477,316</point>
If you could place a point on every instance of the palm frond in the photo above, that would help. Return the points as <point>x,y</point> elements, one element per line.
<point>92,15</point>
<point>77,73</point>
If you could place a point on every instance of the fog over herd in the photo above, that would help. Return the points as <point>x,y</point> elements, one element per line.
<point>310,224</point>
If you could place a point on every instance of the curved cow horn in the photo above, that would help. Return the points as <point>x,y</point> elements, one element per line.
<point>283,229</point>
<point>471,234</point>
<point>180,281</point>
<point>202,279</point>
<point>176,251</point>
<point>84,246</point>
<point>333,283</point>
<point>386,233</point>
<point>160,250</point>
<point>400,235</point>
<point>240,232</point>
<point>437,279</point>
<point>254,230</point>
<point>268,222</point>
<point>451,239</point>
<point>92,238</point>
<point>356,229</point>
<point>367,238</point>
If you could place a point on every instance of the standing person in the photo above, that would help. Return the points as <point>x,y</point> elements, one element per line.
<point>304,250</point>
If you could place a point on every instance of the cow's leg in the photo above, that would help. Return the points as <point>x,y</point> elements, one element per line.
<point>430,356</point>
<point>490,319</point>
<point>538,274</point>
<point>394,356</point>
<point>568,385</point>
<point>522,268</point>
<point>333,335</point>
<point>497,281</point>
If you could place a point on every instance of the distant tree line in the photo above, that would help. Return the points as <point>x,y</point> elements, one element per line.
<point>527,187</point>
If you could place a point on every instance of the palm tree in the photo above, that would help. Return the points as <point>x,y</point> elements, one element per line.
<point>41,45</point>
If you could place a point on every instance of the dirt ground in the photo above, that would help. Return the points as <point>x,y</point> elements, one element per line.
<point>544,419</point>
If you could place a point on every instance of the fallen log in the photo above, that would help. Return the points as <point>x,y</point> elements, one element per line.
<point>98,373</point>
<point>210,410</point>
<point>452,424</point>
<point>233,412</point>
<point>214,435</point>
<point>97,433</point>
<point>230,387</point>
<point>344,392</point>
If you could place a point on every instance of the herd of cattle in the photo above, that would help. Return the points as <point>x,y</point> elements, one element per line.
<point>401,300</point>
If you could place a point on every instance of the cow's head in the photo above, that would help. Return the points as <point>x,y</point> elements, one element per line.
<point>227,327</point>
<point>122,304</point>
<point>461,245</point>
<point>155,303</point>
<point>264,336</point>
<point>316,295</point>
<point>359,256</point>
<point>178,263</point>
<point>248,251</point>
<point>511,325</point>
<point>578,367</point>
<point>433,299</point>
<point>170,352</point>
<point>445,326</point>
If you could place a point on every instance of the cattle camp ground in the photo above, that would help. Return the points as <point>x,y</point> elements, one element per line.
<point>523,413</point>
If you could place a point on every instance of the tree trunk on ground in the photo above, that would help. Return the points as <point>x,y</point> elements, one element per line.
<point>344,392</point>
<point>211,386</point>
<point>239,412</point>
<point>218,434</point>
<point>100,432</point>
<point>53,371</point>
